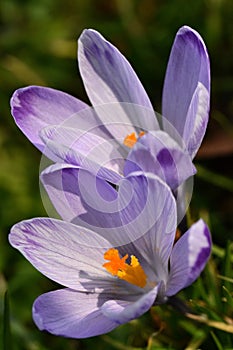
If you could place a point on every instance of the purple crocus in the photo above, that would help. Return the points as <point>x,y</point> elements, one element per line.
<point>115,274</point>
<point>68,130</point>
<point>100,139</point>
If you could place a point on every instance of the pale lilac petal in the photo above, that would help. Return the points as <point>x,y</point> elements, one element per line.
<point>187,72</point>
<point>108,77</point>
<point>122,311</point>
<point>68,254</point>
<point>142,211</point>
<point>189,257</point>
<point>85,149</point>
<point>60,183</point>
<point>122,119</point>
<point>63,183</point>
<point>85,136</point>
<point>195,127</point>
<point>35,107</point>
<point>150,219</point>
<point>64,252</point>
<point>86,200</point>
<point>158,153</point>
<point>141,220</point>
<point>72,314</point>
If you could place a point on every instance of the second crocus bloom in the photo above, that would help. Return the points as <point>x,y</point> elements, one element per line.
<point>118,272</point>
<point>67,130</point>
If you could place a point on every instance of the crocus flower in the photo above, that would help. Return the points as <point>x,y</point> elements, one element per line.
<point>122,124</point>
<point>67,130</point>
<point>112,277</point>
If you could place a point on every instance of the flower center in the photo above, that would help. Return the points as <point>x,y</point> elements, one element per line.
<point>131,139</point>
<point>117,266</point>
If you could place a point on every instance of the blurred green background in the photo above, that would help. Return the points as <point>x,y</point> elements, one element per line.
<point>38,47</point>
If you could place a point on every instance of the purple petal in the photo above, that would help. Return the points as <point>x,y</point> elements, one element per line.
<point>144,211</point>
<point>78,193</point>
<point>140,221</point>
<point>62,190</point>
<point>122,119</point>
<point>66,253</point>
<point>149,220</point>
<point>159,154</point>
<point>189,257</point>
<point>71,314</point>
<point>107,75</point>
<point>187,72</point>
<point>122,311</point>
<point>35,107</point>
<point>85,149</point>
<point>197,119</point>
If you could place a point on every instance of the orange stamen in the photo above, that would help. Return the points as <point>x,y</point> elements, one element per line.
<point>131,139</point>
<point>117,266</point>
<point>141,134</point>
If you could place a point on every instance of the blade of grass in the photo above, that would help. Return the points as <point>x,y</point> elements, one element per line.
<point>214,299</point>
<point>224,278</point>
<point>217,342</point>
<point>196,341</point>
<point>214,324</point>
<point>227,271</point>
<point>229,298</point>
<point>7,344</point>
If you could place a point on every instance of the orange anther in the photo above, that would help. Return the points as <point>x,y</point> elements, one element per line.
<point>131,139</point>
<point>117,266</point>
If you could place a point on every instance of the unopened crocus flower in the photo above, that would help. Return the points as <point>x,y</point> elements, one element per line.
<point>68,130</point>
<point>112,277</point>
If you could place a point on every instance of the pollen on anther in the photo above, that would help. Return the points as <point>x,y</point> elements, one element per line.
<point>132,273</point>
<point>131,139</point>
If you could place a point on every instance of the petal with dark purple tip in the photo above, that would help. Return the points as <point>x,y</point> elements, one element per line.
<point>158,153</point>
<point>36,107</point>
<point>189,257</point>
<point>107,75</point>
<point>65,253</point>
<point>188,69</point>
